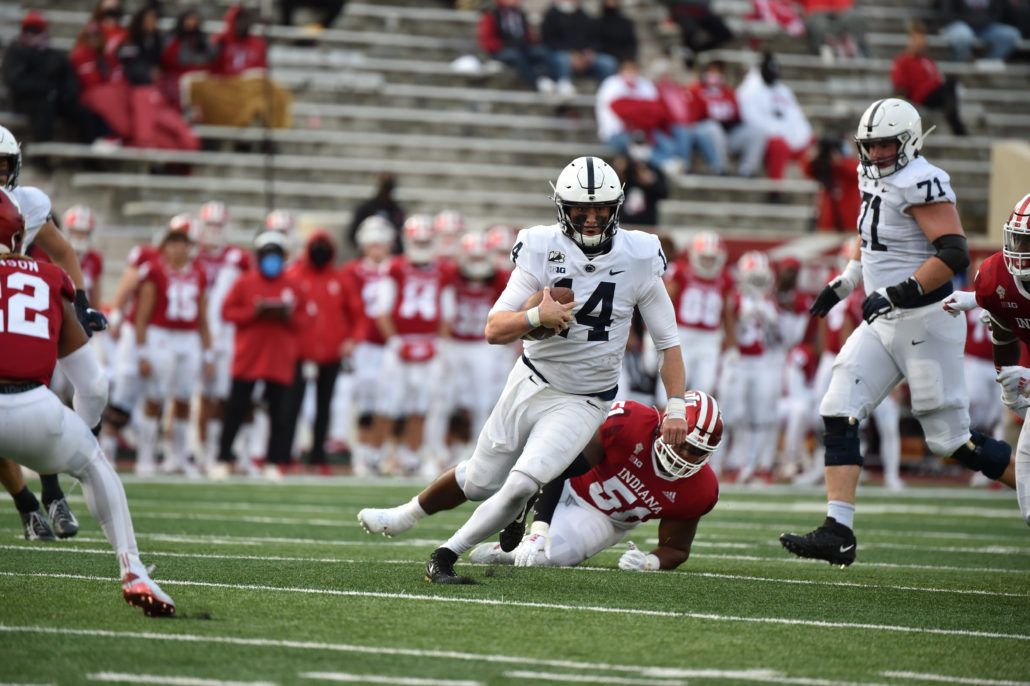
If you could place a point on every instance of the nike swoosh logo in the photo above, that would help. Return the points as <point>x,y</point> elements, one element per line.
<point>846,549</point>
<point>612,272</point>
<point>918,342</point>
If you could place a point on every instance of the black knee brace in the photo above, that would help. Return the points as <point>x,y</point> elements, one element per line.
<point>989,456</point>
<point>840,436</point>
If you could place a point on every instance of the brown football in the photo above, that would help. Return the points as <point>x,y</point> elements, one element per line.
<point>558,294</point>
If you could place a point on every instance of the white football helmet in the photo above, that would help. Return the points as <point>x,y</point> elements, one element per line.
<point>1016,240</point>
<point>213,217</point>
<point>475,259</point>
<point>78,221</point>
<point>418,238</point>
<point>588,182</point>
<point>890,119</point>
<point>704,434</point>
<point>10,150</point>
<point>449,226</point>
<point>707,254</point>
<point>375,230</point>
<point>181,225</point>
<point>754,272</point>
<point>281,221</point>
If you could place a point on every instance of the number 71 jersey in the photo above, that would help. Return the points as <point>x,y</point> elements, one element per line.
<point>893,245</point>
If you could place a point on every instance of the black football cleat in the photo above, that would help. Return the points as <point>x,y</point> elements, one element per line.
<point>832,542</point>
<point>63,519</point>
<point>440,568</point>
<point>36,526</point>
<point>511,535</point>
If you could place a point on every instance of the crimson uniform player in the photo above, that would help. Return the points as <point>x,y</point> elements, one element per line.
<point>699,286</point>
<point>416,307</point>
<point>636,477</point>
<point>79,223</point>
<point>172,342</point>
<point>40,325</point>
<point>375,237</point>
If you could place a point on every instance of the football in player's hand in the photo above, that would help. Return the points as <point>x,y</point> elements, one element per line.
<point>558,294</point>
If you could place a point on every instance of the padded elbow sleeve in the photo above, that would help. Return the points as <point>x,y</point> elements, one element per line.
<point>953,251</point>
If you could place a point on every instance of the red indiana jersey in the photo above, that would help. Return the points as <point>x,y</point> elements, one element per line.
<point>849,309</point>
<point>628,485</point>
<point>417,309</point>
<point>720,102</point>
<point>473,300</point>
<point>92,265</point>
<point>699,303</point>
<point>362,277</point>
<point>752,328</point>
<point>139,256</point>
<point>32,298</point>
<point>1007,301</point>
<point>214,259</point>
<point>178,294</point>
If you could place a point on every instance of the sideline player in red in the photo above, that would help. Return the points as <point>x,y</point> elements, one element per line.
<point>40,326</point>
<point>633,477</point>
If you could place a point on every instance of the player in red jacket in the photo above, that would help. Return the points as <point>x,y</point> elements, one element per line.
<point>40,326</point>
<point>268,309</point>
<point>635,477</point>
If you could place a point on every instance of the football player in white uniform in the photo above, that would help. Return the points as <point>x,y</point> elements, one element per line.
<point>40,229</point>
<point>559,392</point>
<point>911,245</point>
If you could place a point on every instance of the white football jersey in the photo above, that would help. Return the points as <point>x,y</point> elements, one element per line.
<point>587,358</point>
<point>35,207</point>
<point>893,245</point>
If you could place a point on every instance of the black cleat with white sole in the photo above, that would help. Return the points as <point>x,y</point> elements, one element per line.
<point>511,535</point>
<point>440,568</point>
<point>832,542</point>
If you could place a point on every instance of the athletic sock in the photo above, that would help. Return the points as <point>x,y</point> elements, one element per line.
<point>51,488</point>
<point>25,501</point>
<point>843,512</point>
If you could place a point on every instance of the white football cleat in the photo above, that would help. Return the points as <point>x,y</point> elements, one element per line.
<point>491,554</point>
<point>388,522</point>
<point>139,590</point>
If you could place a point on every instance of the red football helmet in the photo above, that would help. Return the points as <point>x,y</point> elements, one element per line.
<point>281,221</point>
<point>754,272</point>
<point>181,225</point>
<point>704,434</point>
<point>1016,239</point>
<point>418,238</point>
<point>212,217</point>
<point>12,223</point>
<point>79,222</point>
<point>707,254</point>
<point>474,259</point>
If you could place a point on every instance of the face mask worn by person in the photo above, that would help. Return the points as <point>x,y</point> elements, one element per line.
<point>271,264</point>
<point>320,253</point>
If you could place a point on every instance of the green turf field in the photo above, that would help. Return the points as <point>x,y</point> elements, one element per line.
<point>278,584</point>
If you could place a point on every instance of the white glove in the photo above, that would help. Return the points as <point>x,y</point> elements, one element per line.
<point>959,301</point>
<point>635,560</point>
<point>1015,382</point>
<point>531,546</point>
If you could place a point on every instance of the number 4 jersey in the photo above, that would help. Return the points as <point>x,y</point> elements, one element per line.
<point>628,485</point>
<point>31,313</point>
<point>893,245</point>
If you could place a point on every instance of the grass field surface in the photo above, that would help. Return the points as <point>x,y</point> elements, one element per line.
<point>278,584</point>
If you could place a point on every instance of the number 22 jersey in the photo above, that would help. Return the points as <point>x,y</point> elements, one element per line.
<point>32,298</point>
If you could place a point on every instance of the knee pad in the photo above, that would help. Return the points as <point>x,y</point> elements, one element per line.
<point>988,456</point>
<point>840,436</point>
<point>116,416</point>
<point>365,420</point>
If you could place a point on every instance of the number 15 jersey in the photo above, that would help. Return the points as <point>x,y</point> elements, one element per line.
<point>893,245</point>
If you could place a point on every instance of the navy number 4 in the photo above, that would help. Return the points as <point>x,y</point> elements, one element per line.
<point>603,298</point>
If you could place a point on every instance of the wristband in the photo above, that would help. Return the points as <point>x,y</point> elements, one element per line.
<point>676,408</point>
<point>651,562</point>
<point>539,528</point>
<point>533,317</point>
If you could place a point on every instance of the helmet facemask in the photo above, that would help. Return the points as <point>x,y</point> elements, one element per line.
<point>890,165</point>
<point>1016,240</point>
<point>703,438</point>
<point>588,183</point>
<point>574,216</point>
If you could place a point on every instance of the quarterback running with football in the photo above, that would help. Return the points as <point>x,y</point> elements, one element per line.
<point>559,392</point>
<point>910,245</point>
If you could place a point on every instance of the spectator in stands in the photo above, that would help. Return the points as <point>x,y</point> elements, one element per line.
<point>1017,13</point>
<point>835,168</point>
<point>629,104</point>
<point>965,21</point>
<point>572,37</point>
<point>330,10</point>
<point>643,184</point>
<point>239,92</point>
<point>916,77</point>
<point>107,14</point>
<point>782,13</point>
<point>835,29</point>
<point>43,86</point>
<point>769,105</point>
<point>382,204</point>
<point>505,34</point>
<point>617,36</point>
<point>690,128</point>
<point>155,122</point>
<point>188,50</point>
<point>701,28</point>
<point>719,103</point>
<point>102,86</point>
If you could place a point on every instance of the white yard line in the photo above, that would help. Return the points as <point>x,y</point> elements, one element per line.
<point>118,677</point>
<point>590,679</point>
<point>916,676</point>
<point>333,560</point>
<point>757,675</point>
<point>554,606</point>
<point>375,679</point>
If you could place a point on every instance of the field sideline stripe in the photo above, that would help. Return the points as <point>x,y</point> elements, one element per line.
<point>333,560</point>
<point>118,677</point>
<point>759,675</point>
<point>554,606</point>
<point>954,679</point>
<point>377,679</point>
<point>590,679</point>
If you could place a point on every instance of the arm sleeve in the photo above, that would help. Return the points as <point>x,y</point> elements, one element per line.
<point>81,368</point>
<point>659,315</point>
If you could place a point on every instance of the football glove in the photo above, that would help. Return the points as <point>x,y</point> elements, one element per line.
<point>635,560</point>
<point>959,302</point>
<point>532,545</point>
<point>883,300</point>
<point>1015,382</point>
<point>91,320</point>
<point>838,289</point>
